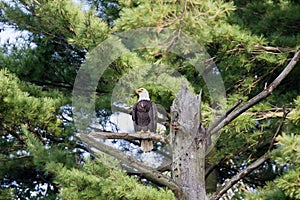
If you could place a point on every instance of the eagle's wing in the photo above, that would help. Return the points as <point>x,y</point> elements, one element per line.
<point>153,118</point>
<point>133,114</point>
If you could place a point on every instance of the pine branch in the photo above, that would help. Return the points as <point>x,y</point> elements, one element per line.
<point>285,113</point>
<point>230,117</point>
<point>129,136</point>
<point>239,176</point>
<point>253,166</point>
<point>13,159</point>
<point>272,50</point>
<point>148,172</point>
<point>266,114</point>
<point>219,120</point>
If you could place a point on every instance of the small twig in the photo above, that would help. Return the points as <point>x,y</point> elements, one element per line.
<point>16,158</point>
<point>183,11</point>
<point>285,113</point>
<point>178,19</point>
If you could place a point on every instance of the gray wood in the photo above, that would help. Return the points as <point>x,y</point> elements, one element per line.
<point>187,138</point>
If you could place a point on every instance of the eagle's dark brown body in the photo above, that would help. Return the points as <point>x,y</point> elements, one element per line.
<point>144,116</point>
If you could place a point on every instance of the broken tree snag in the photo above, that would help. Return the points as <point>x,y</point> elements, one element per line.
<point>187,140</point>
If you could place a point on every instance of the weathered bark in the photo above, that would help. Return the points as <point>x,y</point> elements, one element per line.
<point>187,138</point>
<point>129,136</point>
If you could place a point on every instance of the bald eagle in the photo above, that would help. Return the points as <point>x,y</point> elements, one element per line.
<point>144,116</point>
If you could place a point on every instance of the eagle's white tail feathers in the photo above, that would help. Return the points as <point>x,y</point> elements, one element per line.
<point>147,145</point>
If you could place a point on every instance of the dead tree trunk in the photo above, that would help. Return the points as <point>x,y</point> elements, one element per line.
<point>187,140</point>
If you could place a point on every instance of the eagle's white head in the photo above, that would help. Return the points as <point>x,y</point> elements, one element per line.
<point>143,94</point>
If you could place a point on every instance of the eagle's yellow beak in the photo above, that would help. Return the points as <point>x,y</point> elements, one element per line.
<point>138,91</point>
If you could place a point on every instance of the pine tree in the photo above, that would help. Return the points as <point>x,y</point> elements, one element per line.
<point>251,43</point>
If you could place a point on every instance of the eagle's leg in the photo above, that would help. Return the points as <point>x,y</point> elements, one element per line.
<point>146,145</point>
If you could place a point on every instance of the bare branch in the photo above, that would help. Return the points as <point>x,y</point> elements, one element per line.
<point>13,159</point>
<point>272,50</point>
<point>183,11</point>
<point>253,166</point>
<point>213,125</point>
<point>148,172</point>
<point>285,113</point>
<point>258,97</point>
<point>266,114</point>
<point>130,136</point>
<point>239,176</point>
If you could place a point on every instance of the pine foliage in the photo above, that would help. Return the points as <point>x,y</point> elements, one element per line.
<point>250,42</point>
<point>287,157</point>
<point>96,179</point>
<point>23,104</point>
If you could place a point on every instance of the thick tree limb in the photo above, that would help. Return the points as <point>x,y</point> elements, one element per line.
<point>258,97</point>
<point>239,176</point>
<point>220,119</point>
<point>148,172</point>
<point>129,136</point>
